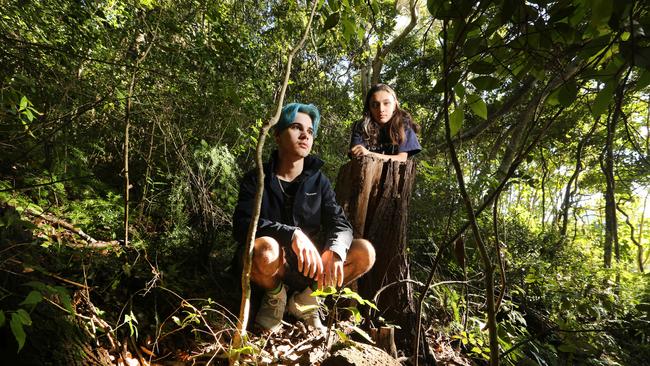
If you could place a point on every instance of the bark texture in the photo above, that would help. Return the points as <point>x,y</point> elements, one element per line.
<point>375,195</point>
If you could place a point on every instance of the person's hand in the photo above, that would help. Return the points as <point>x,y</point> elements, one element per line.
<point>309,260</point>
<point>359,150</point>
<point>332,270</point>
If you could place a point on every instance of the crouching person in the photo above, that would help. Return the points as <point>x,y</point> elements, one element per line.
<point>303,238</point>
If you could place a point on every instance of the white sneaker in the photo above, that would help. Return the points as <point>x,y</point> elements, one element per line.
<point>269,316</point>
<point>306,308</point>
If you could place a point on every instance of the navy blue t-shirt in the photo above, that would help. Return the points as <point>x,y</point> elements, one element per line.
<point>385,146</point>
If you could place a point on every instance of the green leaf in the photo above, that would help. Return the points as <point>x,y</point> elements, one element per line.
<point>456,120</point>
<point>482,67</point>
<point>603,99</point>
<point>332,21</point>
<point>460,90</point>
<point>28,114</point>
<point>564,95</point>
<point>344,337</point>
<point>2,318</point>
<point>23,315</point>
<point>355,312</point>
<point>33,298</point>
<point>64,298</point>
<point>477,105</point>
<point>327,291</point>
<point>23,103</point>
<point>643,81</point>
<point>176,320</point>
<point>362,333</point>
<point>346,293</point>
<point>601,10</point>
<point>474,46</point>
<point>432,6</point>
<point>16,325</point>
<point>567,348</point>
<point>568,93</point>
<point>349,29</point>
<point>130,319</point>
<point>37,284</point>
<point>485,82</point>
<point>560,12</point>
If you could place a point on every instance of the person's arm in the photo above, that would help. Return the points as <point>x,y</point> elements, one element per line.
<point>338,237</point>
<point>309,260</point>
<point>411,144</point>
<point>360,150</point>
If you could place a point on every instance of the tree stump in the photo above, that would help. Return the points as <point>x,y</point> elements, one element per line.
<point>375,194</point>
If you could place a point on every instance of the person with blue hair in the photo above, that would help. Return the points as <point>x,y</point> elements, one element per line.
<point>303,239</point>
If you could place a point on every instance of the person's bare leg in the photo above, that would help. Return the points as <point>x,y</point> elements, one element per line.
<point>360,259</point>
<point>268,263</point>
<point>267,272</point>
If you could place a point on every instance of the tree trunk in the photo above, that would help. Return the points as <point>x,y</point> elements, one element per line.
<point>371,72</point>
<point>375,195</point>
<point>611,225</point>
<point>569,191</point>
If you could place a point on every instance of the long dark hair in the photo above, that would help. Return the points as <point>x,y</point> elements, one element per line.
<point>397,124</point>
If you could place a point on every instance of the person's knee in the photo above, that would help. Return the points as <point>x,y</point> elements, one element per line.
<point>363,254</point>
<point>266,255</point>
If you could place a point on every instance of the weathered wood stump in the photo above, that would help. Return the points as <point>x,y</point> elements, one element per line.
<point>375,196</point>
<point>384,338</point>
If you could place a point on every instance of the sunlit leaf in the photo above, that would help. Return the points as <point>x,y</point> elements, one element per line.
<point>477,105</point>
<point>456,120</point>
<point>344,337</point>
<point>362,333</point>
<point>23,103</point>
<point>603,99</point>
<point>326,291</point>
<point>355,312</point>
<point>349,28</point>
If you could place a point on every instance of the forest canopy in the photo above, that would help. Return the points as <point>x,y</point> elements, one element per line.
<point>125,127</point>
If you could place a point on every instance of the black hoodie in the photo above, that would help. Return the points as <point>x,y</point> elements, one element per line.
<point>315,210</point>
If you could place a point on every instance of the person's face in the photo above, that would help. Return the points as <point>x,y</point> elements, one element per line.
<point>297,139</point>
<point>382,106</point>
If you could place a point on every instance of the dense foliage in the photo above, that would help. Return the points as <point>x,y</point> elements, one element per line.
<point>546,104</point>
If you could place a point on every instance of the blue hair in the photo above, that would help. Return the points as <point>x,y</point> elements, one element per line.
<point>289,112</point>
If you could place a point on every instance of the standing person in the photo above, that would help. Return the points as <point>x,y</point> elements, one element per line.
<point>303,236</point>
<point>386,131</point>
